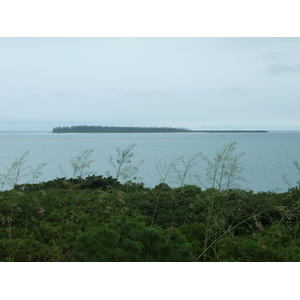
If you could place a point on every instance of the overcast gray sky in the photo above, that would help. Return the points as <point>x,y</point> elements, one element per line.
<point>199,83</point>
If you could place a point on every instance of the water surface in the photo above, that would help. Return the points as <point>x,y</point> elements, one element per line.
<point>267,155</point>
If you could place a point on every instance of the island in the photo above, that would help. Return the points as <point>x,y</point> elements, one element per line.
<point>116,129</point>
<point>131,129</point>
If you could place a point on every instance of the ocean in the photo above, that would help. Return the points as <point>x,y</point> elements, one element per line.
<point>268,156</point>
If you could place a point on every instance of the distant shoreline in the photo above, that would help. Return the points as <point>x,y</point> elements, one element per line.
<point>231,131</point>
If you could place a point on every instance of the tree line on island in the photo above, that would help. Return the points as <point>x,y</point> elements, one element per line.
<point>116,129</point>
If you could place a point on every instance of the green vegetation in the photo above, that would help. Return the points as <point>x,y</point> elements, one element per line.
<point>131,129</point>
<point>116,129</point>
<point>99,218</point>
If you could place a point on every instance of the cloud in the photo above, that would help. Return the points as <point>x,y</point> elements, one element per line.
<point>274,56</point>
<point>114,90</point>
<point>64,94</point>
<point>126,93</point>
<point>233,91</point>
<point>283,69</point>
<point>212,123</point>
<point>60,94</point>
<point>150,94</point>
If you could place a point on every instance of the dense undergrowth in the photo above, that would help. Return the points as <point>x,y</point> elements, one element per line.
<point>100,219</point>
<point>113,219</point>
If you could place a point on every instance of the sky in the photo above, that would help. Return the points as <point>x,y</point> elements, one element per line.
<point>190,82</point>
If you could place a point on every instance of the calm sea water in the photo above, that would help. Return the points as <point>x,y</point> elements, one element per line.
<point>268,156</point>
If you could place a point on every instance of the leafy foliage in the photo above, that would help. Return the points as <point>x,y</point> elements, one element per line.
<point>99,218</point>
